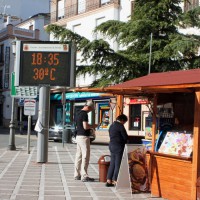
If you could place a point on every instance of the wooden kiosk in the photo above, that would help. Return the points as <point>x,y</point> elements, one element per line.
<point>171,177</point>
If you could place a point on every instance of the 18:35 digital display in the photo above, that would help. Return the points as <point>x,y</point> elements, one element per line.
<point>38,60</point>
<point>45,64</point>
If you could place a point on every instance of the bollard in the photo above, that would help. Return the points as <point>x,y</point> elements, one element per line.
<point>104,162</point>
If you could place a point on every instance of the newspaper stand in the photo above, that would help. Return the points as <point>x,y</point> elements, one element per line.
<point>171,177</point>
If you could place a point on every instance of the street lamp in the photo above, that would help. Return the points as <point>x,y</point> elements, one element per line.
<point>64,136</point>
<point>150,53</point>
<point>11,145</point>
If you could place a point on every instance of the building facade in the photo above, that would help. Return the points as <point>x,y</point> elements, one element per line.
<point>83,17</point>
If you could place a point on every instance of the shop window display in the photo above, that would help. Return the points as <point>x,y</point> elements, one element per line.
<point>104,116</point>
<point>178,140</point>
<point>105,119</point>
<point>135,117</point>
<point>177,143</point>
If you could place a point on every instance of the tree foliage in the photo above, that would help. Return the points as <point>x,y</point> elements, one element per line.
<point>171,49</point>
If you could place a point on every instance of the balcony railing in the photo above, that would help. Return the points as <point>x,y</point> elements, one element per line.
<point>19,32</point>
<point>80,8</point>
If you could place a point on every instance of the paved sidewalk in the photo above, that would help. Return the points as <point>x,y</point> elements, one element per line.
<point>22,178</point>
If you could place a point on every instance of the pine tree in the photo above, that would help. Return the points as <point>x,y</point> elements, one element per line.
<point>171,50</point>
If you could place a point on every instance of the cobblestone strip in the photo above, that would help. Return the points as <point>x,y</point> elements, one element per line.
<point>19,182</point>
<point>42,183</point>
<point>113,189</point>
<point>92,193</point>
<point>10,163</point>
<point>93,166</point>
<point>64,182</point>
<point>3,154</point>
<point>70,155</point>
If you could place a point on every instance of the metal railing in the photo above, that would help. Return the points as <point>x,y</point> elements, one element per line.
<point>80,8</point>
<point>18,32</point>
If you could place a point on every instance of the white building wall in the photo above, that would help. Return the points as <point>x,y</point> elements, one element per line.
<point>88,22</point>
<point>38,23</point>
<point>84,24</point>
<point>125,10</point>
<point>27,24</point>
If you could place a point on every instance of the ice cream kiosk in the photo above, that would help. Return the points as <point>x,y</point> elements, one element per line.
<point>173,161</point>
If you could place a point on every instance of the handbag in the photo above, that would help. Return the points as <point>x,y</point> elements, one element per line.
<point>74,132</point>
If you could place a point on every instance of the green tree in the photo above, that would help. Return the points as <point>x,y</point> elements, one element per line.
<point>171,50</point>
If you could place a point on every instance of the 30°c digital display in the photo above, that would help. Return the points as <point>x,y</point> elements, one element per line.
<point>45,63</point>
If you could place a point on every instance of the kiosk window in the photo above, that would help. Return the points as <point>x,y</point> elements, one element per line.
<point>135,117</point>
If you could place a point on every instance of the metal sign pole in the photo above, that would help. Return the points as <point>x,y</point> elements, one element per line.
<point>43,117</point>
<point>28,134</point>
<point>29,109</point>
<point>20,121</point>
<point>64,116</point>
<point>11,145</point>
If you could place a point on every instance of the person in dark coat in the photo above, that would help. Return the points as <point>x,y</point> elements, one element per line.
<point>118,139</point>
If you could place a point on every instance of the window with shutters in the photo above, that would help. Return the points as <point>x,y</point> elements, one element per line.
<point>81,6</point>
<point>104,2</point>
<point>60,9</point>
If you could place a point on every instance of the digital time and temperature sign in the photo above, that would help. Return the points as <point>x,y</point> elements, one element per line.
<point>44,63</point>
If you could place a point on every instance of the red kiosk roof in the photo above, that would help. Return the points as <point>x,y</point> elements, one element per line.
<point>164,82</point>
<point>164,78</point>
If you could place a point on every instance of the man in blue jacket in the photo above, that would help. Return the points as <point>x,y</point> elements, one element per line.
<point>118,139</point>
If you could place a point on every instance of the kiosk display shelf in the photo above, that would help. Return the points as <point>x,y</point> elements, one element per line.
<point>178,143</point>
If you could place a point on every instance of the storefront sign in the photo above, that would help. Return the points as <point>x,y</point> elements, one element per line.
<point>7,65</point>
<point>136,101</point>
<point>75,95</point>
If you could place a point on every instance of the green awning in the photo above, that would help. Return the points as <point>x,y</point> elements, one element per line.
<point>76,95</point>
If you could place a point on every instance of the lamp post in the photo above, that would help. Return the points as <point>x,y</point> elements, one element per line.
<point>11,145</point>
<point>150,53</point>
<point>64,136</point>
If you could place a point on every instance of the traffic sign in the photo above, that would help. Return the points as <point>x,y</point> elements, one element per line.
<point>21,102</point>
<point>29,106</point>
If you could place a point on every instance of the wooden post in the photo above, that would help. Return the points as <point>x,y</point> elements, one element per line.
<point>196,145</point>
<point>154,131</point>
<point>119,105</point>
<point>151,163</point>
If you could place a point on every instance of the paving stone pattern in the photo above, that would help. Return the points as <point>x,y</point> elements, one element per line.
<point>22,178</point>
